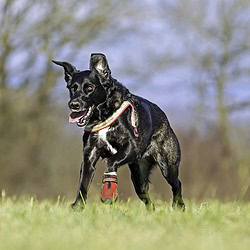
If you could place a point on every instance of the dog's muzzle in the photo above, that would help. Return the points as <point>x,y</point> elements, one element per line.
<point>74,106</point>
<point>81,117</point>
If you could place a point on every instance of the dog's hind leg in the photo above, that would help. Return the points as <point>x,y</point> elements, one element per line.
<point>167,154</point>
<point>170,173</point>
<point>140,179</point>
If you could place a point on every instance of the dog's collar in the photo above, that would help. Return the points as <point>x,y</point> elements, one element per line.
<point>113,118</point>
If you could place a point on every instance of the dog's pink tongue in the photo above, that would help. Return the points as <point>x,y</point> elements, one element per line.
<point>74,118</point>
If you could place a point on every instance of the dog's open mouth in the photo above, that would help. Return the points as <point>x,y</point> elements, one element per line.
<point>81,118</point>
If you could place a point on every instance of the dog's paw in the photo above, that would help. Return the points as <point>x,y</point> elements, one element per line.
<point>77,206</point>
<point>150,207</point>
<point>180,205</point>
<point>107,201</point>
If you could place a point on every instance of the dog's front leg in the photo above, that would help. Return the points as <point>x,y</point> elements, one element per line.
<point>87,173</point>
<point>126,154</point>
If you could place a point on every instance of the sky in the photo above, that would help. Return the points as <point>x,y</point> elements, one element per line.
<point>134,56</point>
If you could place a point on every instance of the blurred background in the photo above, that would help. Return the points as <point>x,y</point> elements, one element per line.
<point>191,57</point>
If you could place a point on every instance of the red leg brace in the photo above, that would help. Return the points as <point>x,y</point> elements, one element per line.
<point>109,189</point>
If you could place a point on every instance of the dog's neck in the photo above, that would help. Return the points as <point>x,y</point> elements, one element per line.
<point>114,100</point>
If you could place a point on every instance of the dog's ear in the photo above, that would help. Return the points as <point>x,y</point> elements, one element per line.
<point>99,63</point>
<point>69,69</point>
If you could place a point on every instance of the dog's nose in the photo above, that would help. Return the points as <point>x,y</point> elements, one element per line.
<point>74,106</point>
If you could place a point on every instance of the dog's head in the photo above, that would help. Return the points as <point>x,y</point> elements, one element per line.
<point>88,89</point>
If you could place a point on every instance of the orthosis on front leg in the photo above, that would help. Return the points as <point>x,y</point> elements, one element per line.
<point>109,188</point>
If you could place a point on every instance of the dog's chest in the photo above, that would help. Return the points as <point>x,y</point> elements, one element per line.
<point>102,138</point>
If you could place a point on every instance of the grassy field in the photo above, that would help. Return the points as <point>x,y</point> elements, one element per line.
<point>28,224</point>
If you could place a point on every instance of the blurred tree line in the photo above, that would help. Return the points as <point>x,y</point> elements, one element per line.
<point>40,154</point>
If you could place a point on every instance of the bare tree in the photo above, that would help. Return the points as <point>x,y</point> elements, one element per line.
<point>215,46</point>
<point>32,33</point>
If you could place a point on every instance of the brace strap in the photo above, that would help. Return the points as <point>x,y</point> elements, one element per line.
<point>109,179</point>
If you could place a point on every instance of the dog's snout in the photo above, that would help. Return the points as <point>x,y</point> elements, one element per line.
<point>74,106</point>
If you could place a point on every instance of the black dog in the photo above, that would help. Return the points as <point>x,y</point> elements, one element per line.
<point>122,128</point>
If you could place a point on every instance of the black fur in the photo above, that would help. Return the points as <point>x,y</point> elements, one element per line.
<point>96,91</point>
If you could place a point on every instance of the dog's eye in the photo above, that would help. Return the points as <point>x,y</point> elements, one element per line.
<point>89,88</point>
<point>74,88</point>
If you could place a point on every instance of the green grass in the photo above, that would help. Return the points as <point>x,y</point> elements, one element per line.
<point>29,224</point>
